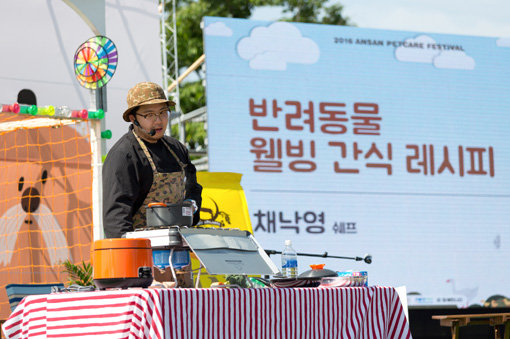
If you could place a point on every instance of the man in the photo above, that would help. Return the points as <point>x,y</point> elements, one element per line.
<point>146,166</point>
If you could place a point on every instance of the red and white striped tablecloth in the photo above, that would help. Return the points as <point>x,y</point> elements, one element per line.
<point>350,312</point>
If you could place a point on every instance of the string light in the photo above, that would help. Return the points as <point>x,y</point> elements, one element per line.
<point>106,134</point>
<point>46,110</point>
<point>14,108</point>
<point>99,114</point>
<point>57,112</point>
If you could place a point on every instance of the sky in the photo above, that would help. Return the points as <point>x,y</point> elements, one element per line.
<point>465,17</point>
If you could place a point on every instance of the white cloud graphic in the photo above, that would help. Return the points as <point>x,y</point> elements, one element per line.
<point>503,42</point>
<point>272,47</point>
<point>417,54</point>
<point>454,60</point>
<point>268,60</point>
<point>218,29</point>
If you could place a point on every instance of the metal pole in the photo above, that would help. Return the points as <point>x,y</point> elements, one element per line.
<point>182,130</point>
<point>163,45</point>
<point>97,166</point>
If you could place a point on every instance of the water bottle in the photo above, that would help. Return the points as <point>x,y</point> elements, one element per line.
<point>289,261</point>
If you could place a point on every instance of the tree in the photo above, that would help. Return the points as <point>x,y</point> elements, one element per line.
<point>315,11</point>
<point>189,14</point>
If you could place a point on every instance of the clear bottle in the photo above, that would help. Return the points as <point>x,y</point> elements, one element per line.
<point>63,112</point>
<point>289,261</point>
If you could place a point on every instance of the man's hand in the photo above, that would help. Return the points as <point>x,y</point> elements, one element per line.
<point>193,204</point>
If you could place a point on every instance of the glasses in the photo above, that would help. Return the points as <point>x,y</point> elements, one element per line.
<point>153,116</point>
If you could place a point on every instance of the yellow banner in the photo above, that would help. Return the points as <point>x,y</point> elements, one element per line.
<point>223,201</point>
<point>223,206</point>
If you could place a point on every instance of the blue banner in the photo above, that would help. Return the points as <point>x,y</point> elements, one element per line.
<point>356,141</point>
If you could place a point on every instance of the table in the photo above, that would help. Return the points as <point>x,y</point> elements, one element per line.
<point>351,312</point>
<point>497,320</point>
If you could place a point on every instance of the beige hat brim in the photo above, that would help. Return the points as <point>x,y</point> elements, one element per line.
<point>126,114</point>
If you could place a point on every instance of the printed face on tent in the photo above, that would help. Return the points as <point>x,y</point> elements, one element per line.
<point>45,205</point>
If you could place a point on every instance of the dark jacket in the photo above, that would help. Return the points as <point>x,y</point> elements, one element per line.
<point>127,179</point>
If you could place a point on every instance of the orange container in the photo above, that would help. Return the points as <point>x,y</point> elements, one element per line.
<point>122,263</point>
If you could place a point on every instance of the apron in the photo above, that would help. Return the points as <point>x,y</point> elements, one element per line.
<point>166,187</point>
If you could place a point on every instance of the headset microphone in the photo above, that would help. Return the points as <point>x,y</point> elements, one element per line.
<point>152,132</point>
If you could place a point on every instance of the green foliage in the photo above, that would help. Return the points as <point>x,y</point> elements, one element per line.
<point>190,13</point>
<point>195,135</point>
<point>333,16</point>
<point>189,16</point>
<point>314,11</point>
<point>192,96</point>
<point>237,279</point>
<point>79,275</point>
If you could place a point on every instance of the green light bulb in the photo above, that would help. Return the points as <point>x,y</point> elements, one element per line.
<point>107,134</point>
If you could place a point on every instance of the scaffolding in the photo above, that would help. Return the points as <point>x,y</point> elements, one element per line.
<point>170,62</point>
<point>172,79</point>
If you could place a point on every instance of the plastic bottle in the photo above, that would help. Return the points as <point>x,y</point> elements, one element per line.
<point>63,111</point>
<point>289,261</point>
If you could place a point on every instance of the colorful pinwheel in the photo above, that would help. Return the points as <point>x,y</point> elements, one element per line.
<point>95,62</point>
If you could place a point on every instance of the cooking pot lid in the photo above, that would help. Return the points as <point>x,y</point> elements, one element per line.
<point>317,271</point>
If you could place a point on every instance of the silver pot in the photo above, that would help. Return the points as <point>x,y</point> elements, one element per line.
<point>164,215</point>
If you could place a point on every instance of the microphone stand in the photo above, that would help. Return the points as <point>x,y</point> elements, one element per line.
<point>367,258</point>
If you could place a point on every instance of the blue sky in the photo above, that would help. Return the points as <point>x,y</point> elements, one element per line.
<point>467,17</point>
